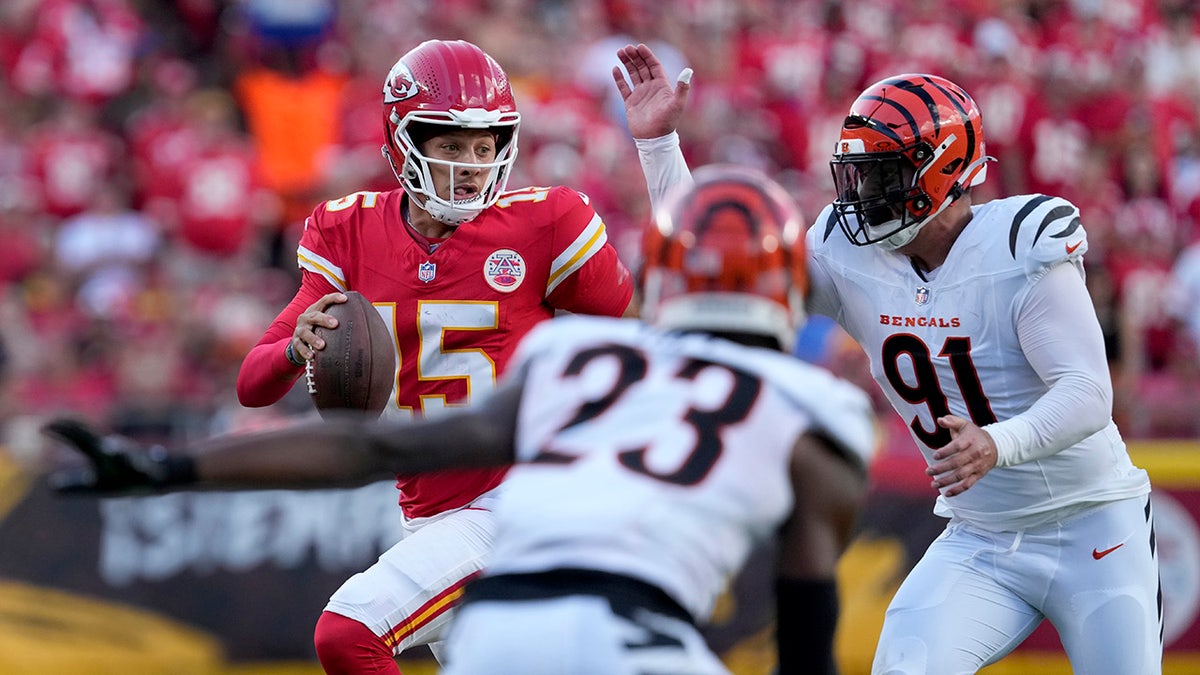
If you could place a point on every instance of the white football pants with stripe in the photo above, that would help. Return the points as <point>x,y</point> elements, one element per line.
<point>975,595</point>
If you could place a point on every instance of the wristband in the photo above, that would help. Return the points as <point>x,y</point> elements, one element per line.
<point>156,467</point>
<point>166,468</point>
<point>806,619</point>
<point>179,470</point>
<point>290,353</point>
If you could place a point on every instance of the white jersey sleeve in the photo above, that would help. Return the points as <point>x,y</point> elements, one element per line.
<point>1062,341</point>
<point>1058,333</point>
<point>841,412</point>
<point>822,292</point>
<point>665,168</point>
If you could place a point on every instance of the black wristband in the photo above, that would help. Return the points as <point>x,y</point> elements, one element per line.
<point>159,467</point>
<point>178,470</point>
<point>806,617</point>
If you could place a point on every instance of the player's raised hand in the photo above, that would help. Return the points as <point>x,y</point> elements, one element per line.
<point>654,104</point>
<point>115,465</point>
<point>969,455</point>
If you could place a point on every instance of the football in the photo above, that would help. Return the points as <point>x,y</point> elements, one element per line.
<point>357,368</point>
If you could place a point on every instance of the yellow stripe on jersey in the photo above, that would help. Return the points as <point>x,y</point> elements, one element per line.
<point>589,241</point>
<point>314,263</point>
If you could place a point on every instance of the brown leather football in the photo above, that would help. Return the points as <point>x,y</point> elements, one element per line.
<point>357,368</point>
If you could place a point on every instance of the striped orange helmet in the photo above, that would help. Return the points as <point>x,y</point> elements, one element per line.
<point>911,145</point>
<point>726,256</point>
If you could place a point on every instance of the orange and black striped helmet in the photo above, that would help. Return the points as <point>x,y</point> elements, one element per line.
<point>726,255</point>
<point>910,146</point>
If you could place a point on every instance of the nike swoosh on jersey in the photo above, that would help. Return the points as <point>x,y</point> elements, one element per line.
<point>1071,249</point>
<point>1098,554</point>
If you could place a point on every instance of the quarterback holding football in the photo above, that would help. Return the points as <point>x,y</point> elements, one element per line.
<point>460,268</point>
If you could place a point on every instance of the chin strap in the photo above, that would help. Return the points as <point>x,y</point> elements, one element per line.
<point>449,215</point>
<point>904,237</point>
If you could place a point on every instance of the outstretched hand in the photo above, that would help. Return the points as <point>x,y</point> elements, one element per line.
<point>653,104</point>
<point>115,465</point>
<point>969,455</point>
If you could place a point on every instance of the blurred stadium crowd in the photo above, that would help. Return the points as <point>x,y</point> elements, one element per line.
<point>157,160</point>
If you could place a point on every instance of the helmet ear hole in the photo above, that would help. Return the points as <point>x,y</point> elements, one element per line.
<point>952,168</point>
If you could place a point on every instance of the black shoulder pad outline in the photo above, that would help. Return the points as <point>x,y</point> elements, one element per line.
<point>830,223</point>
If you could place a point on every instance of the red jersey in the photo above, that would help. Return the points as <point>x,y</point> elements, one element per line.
<point>72,162</point>
<point>218,187</point>
<point>458,311</point>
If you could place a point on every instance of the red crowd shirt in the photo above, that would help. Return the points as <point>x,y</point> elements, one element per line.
<point>72,162</point>
<point>216,205</point>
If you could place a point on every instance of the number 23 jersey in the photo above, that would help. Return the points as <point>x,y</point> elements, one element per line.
<point>457,312</point>
<point>948,343</point>
<point>660,456</point>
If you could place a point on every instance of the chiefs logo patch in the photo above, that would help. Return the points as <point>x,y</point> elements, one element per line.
<point>400,84</point>
<point>504,270</point>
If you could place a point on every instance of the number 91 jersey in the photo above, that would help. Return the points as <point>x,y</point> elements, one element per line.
<point>947,343</point>
<point>457,311</point>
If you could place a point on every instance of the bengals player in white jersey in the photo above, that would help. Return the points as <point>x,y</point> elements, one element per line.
<point>648,464</point>
<point>460,268</point>
<point>981,332</point>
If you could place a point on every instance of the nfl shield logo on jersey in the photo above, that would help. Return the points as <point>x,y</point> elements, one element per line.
<point>922,295</point>
<point>504,270</point>
<point>426,272</point>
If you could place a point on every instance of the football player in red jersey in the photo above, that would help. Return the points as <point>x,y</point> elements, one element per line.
<point>460,269</point>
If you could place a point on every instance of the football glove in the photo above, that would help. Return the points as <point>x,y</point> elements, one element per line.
<point>115,464</point>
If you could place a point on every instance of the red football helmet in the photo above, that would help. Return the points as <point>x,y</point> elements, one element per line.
<point>727,256</point>
<point>451,84</point>
<point>911,145</point>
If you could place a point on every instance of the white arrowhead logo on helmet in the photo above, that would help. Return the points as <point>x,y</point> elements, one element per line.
<point>400,84</point>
